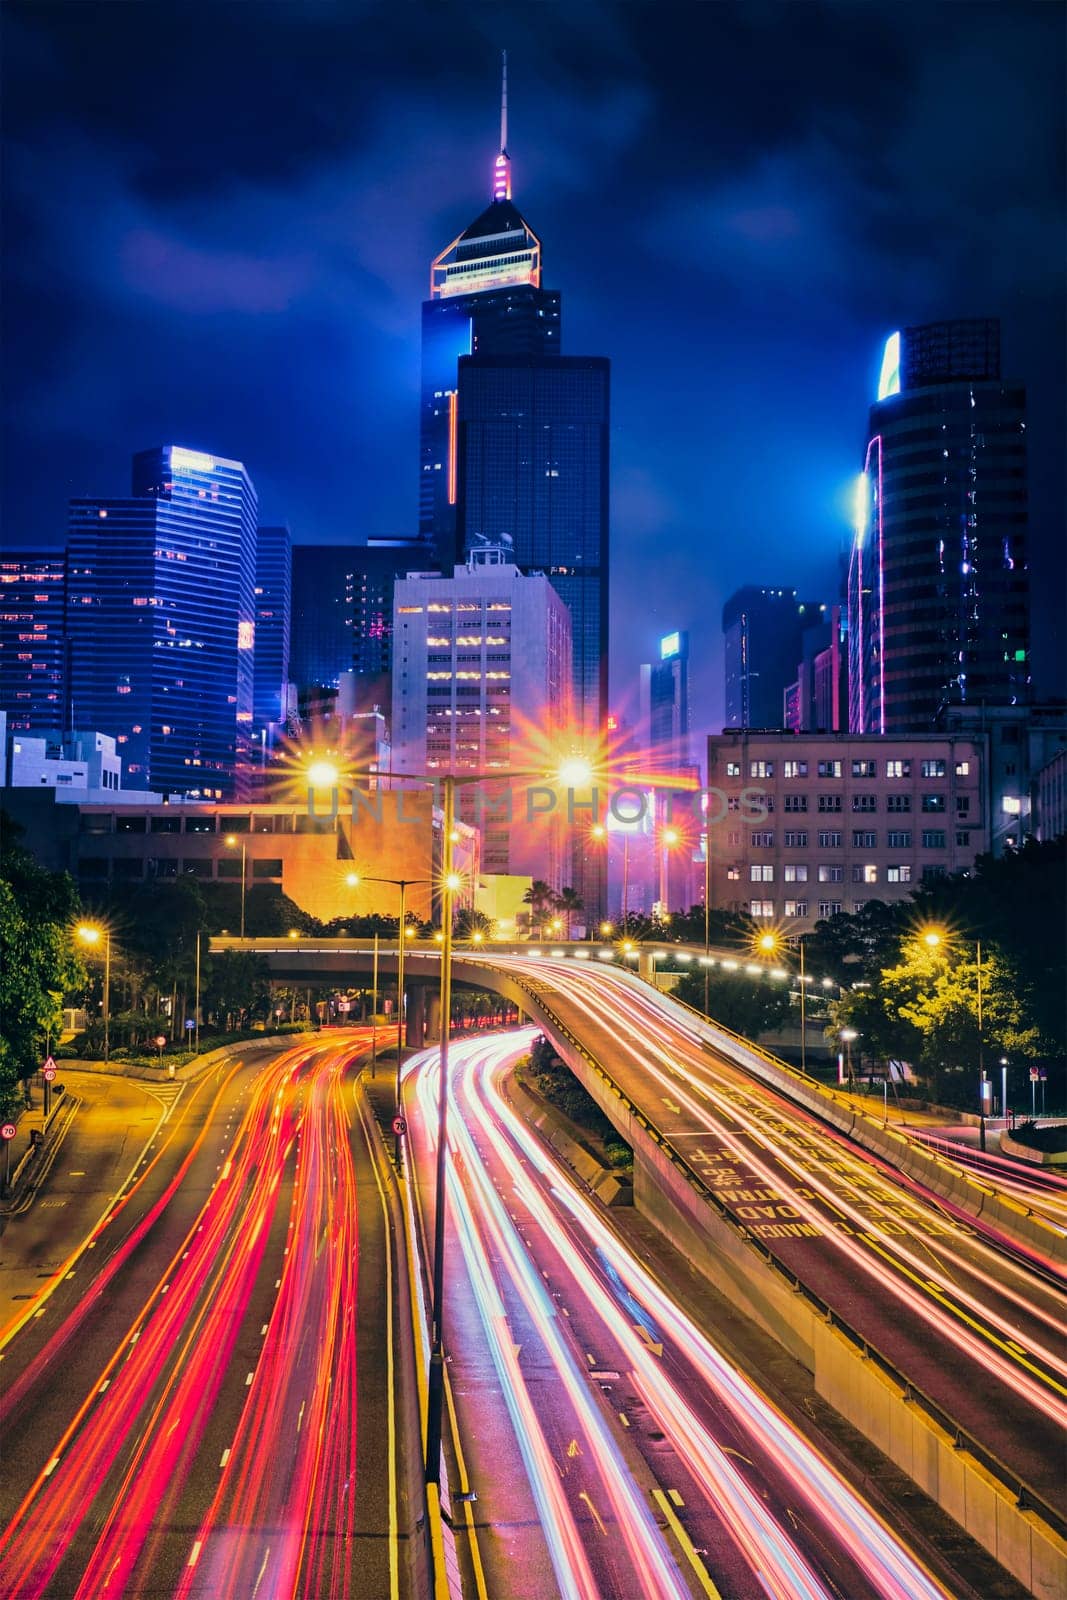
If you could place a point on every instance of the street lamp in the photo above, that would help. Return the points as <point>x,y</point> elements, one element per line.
<point>353,879</point>
<point>848,1035</point>
<point>933,938</point>
<point>669,840</point>
<point>91,935</point>
<point>574,772</point>
<point>231,840</point>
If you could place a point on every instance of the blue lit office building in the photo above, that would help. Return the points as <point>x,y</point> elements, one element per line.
<point>533,476</point>
<point>270,705</point>
<point>33,676</point>
<point>938,590</point>
<point>486,298</point>
<point>161,621</point>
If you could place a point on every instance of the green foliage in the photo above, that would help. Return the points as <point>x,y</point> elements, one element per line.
<point>470,921</point>
<point>236,984</point>
<point>561,1089</point>
<point>37,961</point>
<point>749,1006</point>
<point>1052,1140</point>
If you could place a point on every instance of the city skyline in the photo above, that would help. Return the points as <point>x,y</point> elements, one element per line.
<point>163,273</point>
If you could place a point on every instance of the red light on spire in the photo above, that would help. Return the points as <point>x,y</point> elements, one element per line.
<point>502,164</point>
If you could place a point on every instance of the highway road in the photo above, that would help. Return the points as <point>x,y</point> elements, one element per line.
<point>206,1404</point>
<point>970,1322</point>
<point>1042,1189</point>
<point>614,1452</point>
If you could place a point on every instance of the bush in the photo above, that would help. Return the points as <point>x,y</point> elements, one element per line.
<point>1050,1140</point>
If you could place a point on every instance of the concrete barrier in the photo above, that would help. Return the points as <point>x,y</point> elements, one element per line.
<point>1026,1152</point>
<point>562,1136</point>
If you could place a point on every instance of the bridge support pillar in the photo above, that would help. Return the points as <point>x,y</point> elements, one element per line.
<point>646,967</point>
<point>415,995</point>
<point>433,1018</point>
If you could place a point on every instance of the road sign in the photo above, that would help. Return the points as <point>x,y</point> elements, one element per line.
<point>190,1024</point>
<point>8,1130</point>
<point>399,1126</point>
<point>160,1040</point>
<point>1034,1074</point>
<point>48,1071</point>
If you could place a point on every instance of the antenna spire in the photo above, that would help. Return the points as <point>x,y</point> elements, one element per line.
<point>502,164</point>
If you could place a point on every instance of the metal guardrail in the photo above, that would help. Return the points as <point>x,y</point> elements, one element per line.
<point>1025,1497</point>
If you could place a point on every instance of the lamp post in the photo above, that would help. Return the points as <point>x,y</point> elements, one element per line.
<point>707,908</point>
<point>573,773</point>
<point>231,840</point>
<point>1004,1089</point>
<point>91,935</point>
<point>196,1001</point>
<point>933,938</point>
<point>669,838</point>
<point>403,884</point>
<point>848,1035</point>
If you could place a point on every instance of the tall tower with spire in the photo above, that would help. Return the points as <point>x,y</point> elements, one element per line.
<point>486,298</point>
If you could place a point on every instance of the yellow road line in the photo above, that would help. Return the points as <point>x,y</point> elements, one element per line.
<point>986,1333</point>
<point>394,1520</point>
<point>703,1576</point>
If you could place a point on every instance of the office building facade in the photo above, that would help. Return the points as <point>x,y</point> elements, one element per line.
<point>161,621</point>
<point>481,684</point>
<point>33,655</point>
<point>763,636</point>
<point>533,476</point>
<point>938,590</point>
<point>273,596</point>
<point>486,298</point>
<point>806,826</point>
<point>664,699</point>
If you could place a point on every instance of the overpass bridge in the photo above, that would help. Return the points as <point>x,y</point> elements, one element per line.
<point>892,1274</point>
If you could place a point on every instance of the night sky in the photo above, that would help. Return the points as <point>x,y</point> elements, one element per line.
<point>219,221</point>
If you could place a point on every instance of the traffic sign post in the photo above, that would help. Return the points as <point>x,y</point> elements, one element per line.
<point>400,1126</point>
<point>7,1133</point>
<point>48,1072</point>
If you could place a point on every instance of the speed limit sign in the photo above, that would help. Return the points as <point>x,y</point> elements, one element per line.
<point>399,1125</point>
<point>8,1130</point>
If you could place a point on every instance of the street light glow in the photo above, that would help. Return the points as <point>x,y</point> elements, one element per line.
<point>88,934</point>
<point>575,772</point>
<point>453,881</point>
<point>352,880</point>
<point>322,775</point>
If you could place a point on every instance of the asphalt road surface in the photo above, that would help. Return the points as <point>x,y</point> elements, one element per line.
<point>206,1402</point>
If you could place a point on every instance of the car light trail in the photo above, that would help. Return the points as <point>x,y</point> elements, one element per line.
<point>484,1121</point>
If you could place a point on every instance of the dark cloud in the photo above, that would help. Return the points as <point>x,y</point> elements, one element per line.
<point>220,217</point>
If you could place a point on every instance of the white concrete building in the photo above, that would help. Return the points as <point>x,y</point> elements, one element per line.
<point>81,766</point>
<point>481,684</point>
<point>804,826</point>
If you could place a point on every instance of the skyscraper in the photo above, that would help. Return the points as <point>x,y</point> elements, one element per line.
<point>33,675</point>
<point>938,592</point>
<point>161,620</point>
<point>323,602</point>
<point>481,684</point>
<point>273,602</point>
<point>665,702</point>
<point>486,298</point>
<point>764,631</point>
<point>533,474</point>
<point>342,614</point>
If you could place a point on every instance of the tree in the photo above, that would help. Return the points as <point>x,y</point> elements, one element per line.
<point>37,961</point>
<point>745,1005</point>
<point>540,897</point>
<point>237,983</point>
<point>567,904</point>
<point>469,921</point>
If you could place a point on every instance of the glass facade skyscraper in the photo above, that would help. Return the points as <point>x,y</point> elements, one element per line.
<point>33,666</point>
<point>533,476</point>
<point>938,591</point>
<point>270,706</point>
<point>485,299</point>
<point>763,632</point>
<point>161,621</point>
